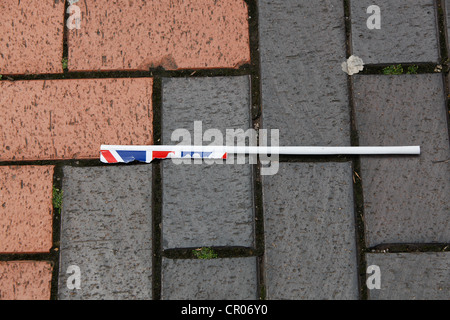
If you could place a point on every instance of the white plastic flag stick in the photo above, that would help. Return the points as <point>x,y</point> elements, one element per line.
<point>125,154</point>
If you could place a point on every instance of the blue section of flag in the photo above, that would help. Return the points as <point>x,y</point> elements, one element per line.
<point>187,153</point>
<point>191,154</point>
<point>130,156</point>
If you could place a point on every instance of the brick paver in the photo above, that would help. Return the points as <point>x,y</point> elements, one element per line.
<point>65,119</point>
<point>107,232</point>
<point>217,279</point>
<point>408,32</point>
<point>180,34</point>
<point>412,276</point>
<point>26,209</point>
<point>406,198</point>
<point>25,280</point>
<point>31,36</point>
<point>194,213</point>
<point>304,91</point>
<point>310,232</point>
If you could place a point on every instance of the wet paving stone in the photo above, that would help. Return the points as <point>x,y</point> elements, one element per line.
<point>304,90</point>
<point>310,232</point>
<point>218,102</point>
<point>206,204</point>
<point>179,34</point>
<point>411,276</point>
<point>25,280</point>
<point>107,232</point>
<point>406,197</point>
<point>408,31</point>
<point>216,279</point>
<point>71,119</point>
<point>26,211</point>
<point>447,14</point>
<point>31,36</point>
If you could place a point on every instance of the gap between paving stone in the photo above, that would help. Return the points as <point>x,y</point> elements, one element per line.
<point>151,72</point>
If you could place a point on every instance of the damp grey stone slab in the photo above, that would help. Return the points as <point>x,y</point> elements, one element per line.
<point>447,13</point>
<point>216,279</point>
<point>406,197</point>
<point>107,232</point>
<point>205,204</point>
<point>304,90</point>
<point>218,102</point>
<point>411,276</point>
<point>310,232</point>
<point>408,31</point>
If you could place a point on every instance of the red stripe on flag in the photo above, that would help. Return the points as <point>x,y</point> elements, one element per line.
<point>161,154</point>
<point>108,156</point>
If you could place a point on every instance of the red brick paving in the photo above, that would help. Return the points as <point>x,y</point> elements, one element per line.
<point>175,34</point>
<point>31,36</point>
<point>26,209</point>
<point>25,280</point>
<point>70,119</point>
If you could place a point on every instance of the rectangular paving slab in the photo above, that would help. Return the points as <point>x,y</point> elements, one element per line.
<point>447,15</point>
<point>107,232</point>
<point>67,119</point>
<point>25,280</point>
<point>218,102</point>
<point>304,90</point>
<point>180,34</point>
<point>405,197</point>
<point>207,205</point>
<point>31,36</point>
<point>26,211</point>
<point>411,276</point>
<point>216,279</point>
<point>408,31</point>
<point>204,204</point>
<point>309,228</point>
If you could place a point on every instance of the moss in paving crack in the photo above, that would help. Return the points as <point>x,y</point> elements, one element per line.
<point>394,70</point>
<point>412,69</point>
<point>57,199</point>
<point>65,63</point>
<point>205,253</point>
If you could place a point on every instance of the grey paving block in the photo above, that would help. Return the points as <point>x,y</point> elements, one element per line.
<point>203,204</point>
<point>207,205</point>
<point>310,232</point>
<point>412,276</point>
<point>406,197</point>
<point>304,90</point>
<point>219,102</point>
<point>447,13</point>
<point>107,232</point>
<point>216,279</point>
<point>408,32</point>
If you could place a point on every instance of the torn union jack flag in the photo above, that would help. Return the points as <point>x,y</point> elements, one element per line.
<point>127,154</point>
<point>147,156</point>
